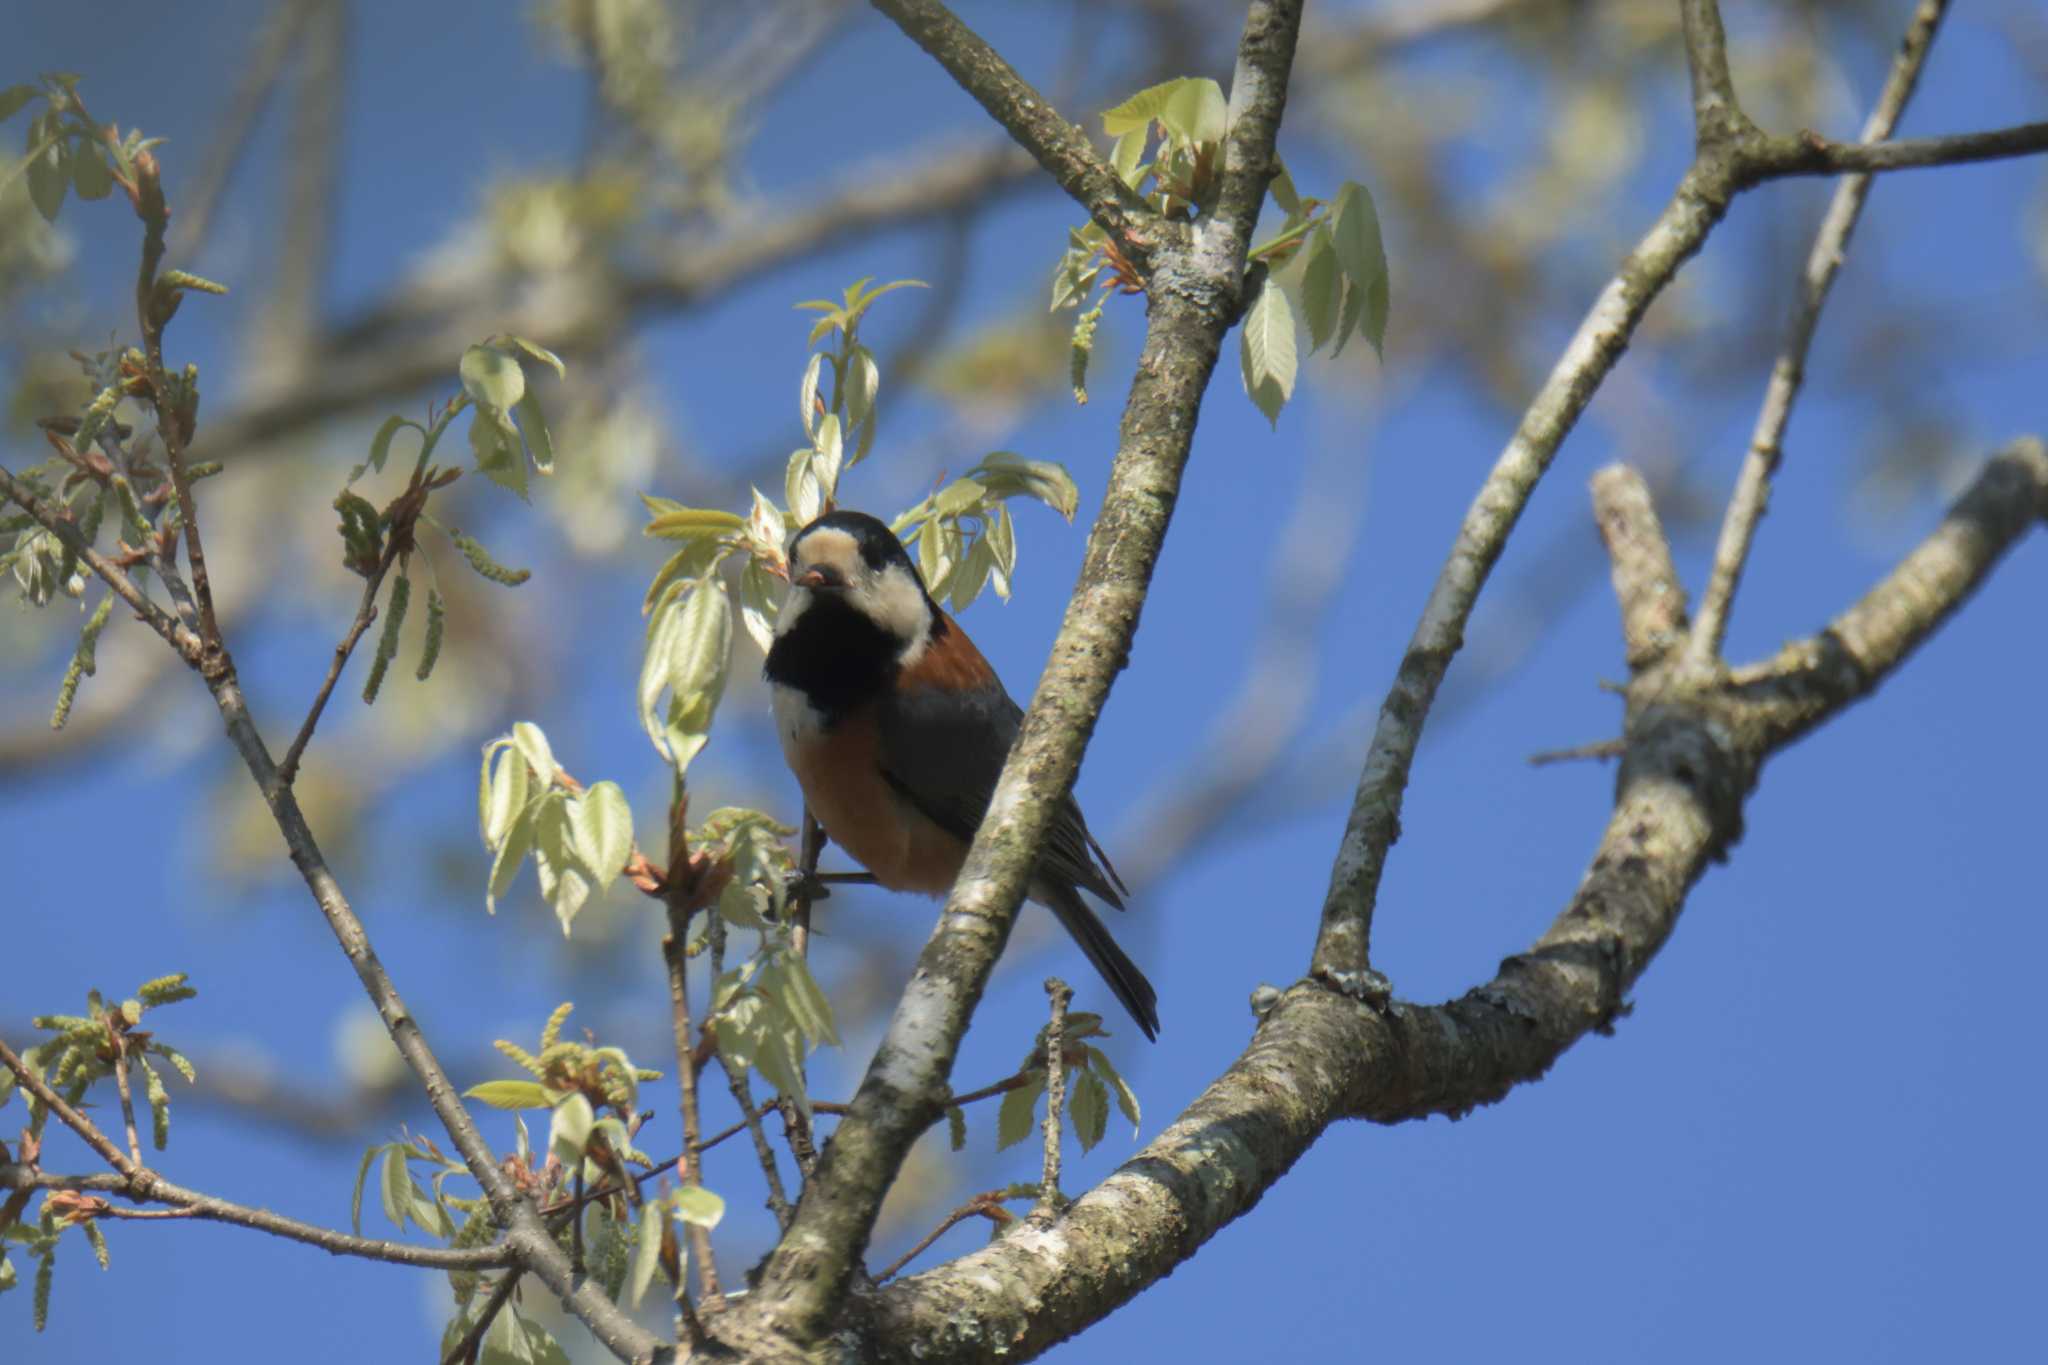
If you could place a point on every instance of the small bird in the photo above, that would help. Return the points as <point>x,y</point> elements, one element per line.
<point>897,728</point>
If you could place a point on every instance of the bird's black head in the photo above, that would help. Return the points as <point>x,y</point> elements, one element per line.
<point>819,548</point>
<point>857,611</point>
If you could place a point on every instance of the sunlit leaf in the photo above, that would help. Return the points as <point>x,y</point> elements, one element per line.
<point>698,1206</point>
<point>1266,350</point>
<point>602,823</point>
<point>1014,1118</point>
<point>532,745</point>
<point>510,1094</point>
<point>569,1128</point>
<point>492,377</point>
<point>1088,1107</point>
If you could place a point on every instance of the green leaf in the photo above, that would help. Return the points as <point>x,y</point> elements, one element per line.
<point>432,1218</point>
<point>760,601</point>
<point>509,1094</point>
<point>500,456</point>
<point>807,392</point>
<point>1355,233</point>
<point>1013,1119</point>
<point>355,1207</point>
<point>1005,474</point>
<point>1127,1099</point>
<point>534,427</point>
<point>380,444</point>
<point>1266,350</point>
<point>698,1206</point>
<point>1196,110</point>
<point>532,745</point>
<point>1129,152</point>
<point>534,351</point>
<point>492,377</point>
<point>396,1185</point>
<point>502,793</point>
<point>13,98</point>
<point>972,575</point>
<point>697,663</point>
<point>1088,1107</point>
<point>787,978</point>
<point>863,382</point>
<point>830,443</point>
<point>49,166</point>
<point>569,1128</point>
<point>89,172</point>
<point>1141,108</point>
<point>800,489</point>
<point>602,824</point>
<point>1322,288</point>
<point>511,852</point>
<point>672,521</point>
<point>1284,194</point>
<point>646,1250</point>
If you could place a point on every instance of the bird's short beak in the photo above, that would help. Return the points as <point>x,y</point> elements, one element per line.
<point>820,577</point>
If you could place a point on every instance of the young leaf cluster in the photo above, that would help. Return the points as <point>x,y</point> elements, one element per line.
<point>1326,266</point>
<point>107,487</point>
<point>508,429</point>
<point>90,1047</point>
<point>1091,1081</point>
<point>65,148</point>
<point>768,1012</point>
<point>579,838</point>
<point>85,1048</point>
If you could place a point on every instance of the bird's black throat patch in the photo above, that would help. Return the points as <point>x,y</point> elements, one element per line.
<point>835,656</point>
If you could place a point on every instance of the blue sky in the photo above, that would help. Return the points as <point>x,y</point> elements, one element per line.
<point>1815,1136</point>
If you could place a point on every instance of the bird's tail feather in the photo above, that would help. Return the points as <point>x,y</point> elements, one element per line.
<point>1121,974</point>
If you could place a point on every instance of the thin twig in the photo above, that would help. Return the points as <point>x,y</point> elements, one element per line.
<point>1061,148</point>
<point>127,1107</point>
<point>1600,748</point>
<point>1812,154</point>
<point>1061,994</point>
<point>679,897</point>
<point>526,1238</point>
<point>989,1205</point>
<point>1766,445</point>
<point>136,1181</point>
<point>466,1349</point>
<point>366,613</point>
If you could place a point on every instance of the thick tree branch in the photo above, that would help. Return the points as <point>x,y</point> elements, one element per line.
<point>1766,446</point>
<point>1193,301</point>
<point>1319,1055</point>
<point>1029,118</point>
<point>1809,680</point>
<point>1343,946</point>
